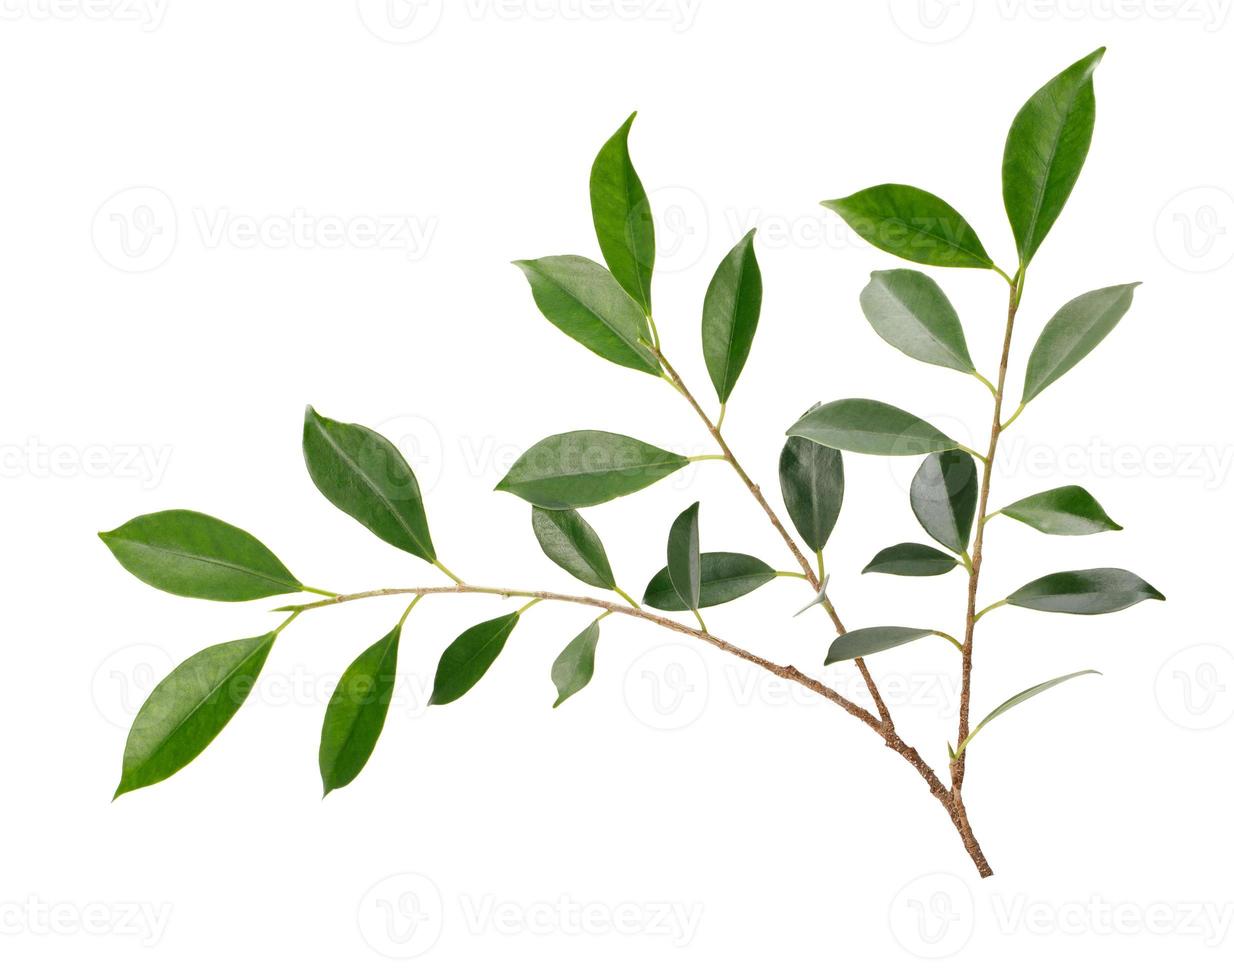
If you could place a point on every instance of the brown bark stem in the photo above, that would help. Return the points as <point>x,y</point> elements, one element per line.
<point>983,501</point>
<point>676,381</point>
<point>892,740</point>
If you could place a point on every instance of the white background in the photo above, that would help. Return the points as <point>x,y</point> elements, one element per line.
<point>684,814</point>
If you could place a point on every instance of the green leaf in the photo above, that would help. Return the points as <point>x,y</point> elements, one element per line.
<point>1072,333</point>
<point>872,639</point>
<point>1064,510</point>
<point>467,659</point>
<point>571,542</point>
<point>188,708</point>
<point>723,577</point>
<point>586,467</point>
<point>357,711</point>
<point>812,484</point>
<point>683,559</point>
<point>1088,592</point>
<point>575,664</point>
<point>1045,150</point>
<point>943,495</point>
<point>913,224</point>
<point>861,425</point>
<point>911,559</point>
<point>909,311</point>
<point>365,476</point>
<point>622,217</point>
<point>1020,698</point>
<point>730,316</point>
<point>191,554</point>
<point>583,300</point>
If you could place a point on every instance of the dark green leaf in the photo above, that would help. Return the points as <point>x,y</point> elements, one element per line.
<point>944,497</point>
<point>584,301</point>
<point>909,311</point>
<point>468,658</point>
<point>1072,333</point>
<point>911,559</point>
<point>1064,510</point>
<point>357,711</point>
<point>913,224</point>
<point>1085,593</point>
<point>861,425</point>
<point>683,558</point>
<point>365,476</point>
<point>724,576</point>
<point>730,316</point>
<point>622,217</point>
<point>812,484</point>
<point>872,639</point>
<point>188,708</point>
<point>195,555</point>
<point>575,664</point>
<point>1045,150</point>
<point>583,468</point>
<point>1020,698</point>
<point>572,543</point>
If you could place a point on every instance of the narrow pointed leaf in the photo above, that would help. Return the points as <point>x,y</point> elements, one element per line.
<point>1088,592</point>
<point>575,664</point>
<point>622,216</point>
<point>730,316</point>
<point>1010,703</point>
<point>1046,148</point>
<point>683,558</point>
<point>1064,510</point>
<point>911,559</point>
<point>812,484</point>
<point>943,495</point>
<point>586,467</point>
<point>357,712</point>
<point>188,708</point>
<point>467,659</point>
<point>872,639</point>
<point>364,475</point>
<point>191,554</point>
<point>913,224</point>
<point>583,300</point>
<point>573,544</point>
<point>909,311</point>
<point>723,577</point>
<point>861,425</point>
<point>1072,333</point>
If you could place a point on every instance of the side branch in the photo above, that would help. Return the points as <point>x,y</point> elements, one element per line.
<point>788,672</point>
<point>810,576</point>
